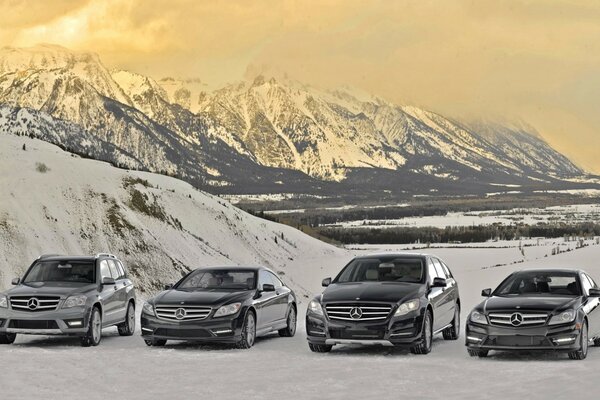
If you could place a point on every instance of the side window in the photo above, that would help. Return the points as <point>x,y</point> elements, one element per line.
<point>438,268</point>
<point>585,282</point>
<point>104,270</point>
<point>264,277</point>
<point>276,281</point>
<point>113,269</point>
<point>446,269</point>
<point>121,270</point>
<point>431,271</point>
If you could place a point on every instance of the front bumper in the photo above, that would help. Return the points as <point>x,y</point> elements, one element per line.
<point>70,321</point>
<point>223,330</point>
<point>491,337</point>
<point>402,331</point>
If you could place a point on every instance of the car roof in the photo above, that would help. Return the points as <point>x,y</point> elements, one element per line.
<point>550,270</point>
<point>394,254</point>
<point>62,257</point>
<point>242,267</point>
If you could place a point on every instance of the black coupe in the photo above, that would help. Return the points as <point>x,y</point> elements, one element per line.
<point>221,304</point>
<point>537,310</point>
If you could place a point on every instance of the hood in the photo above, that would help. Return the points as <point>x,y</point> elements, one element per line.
<point>201,297</point>
<point>529,303</point>
<point>386,292</point>
<point>50,289</point>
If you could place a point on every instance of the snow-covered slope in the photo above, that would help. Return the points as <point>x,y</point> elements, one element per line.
<point>54,202</point>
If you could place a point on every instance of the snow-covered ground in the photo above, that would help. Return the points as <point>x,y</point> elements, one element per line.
<point>55,211</point>
<point>576,213</point>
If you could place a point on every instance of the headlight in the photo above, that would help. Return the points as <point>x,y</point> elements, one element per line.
<point>75,301</point>
<point>227,310</point>
<point>315,307</point>
<point>407,307</point>
<point>148,308</point>
<point>3,301</point>
<point>478,318</point>
<point>563,318</point>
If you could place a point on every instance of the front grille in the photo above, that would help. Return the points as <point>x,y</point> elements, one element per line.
<point>27,324</point>
<point>518,319</point>
<point>358,311</point>
<point>182,333</point>
<point>517,341</point>
<point>356,334</point>
<point>182,313</point>
<point>34,303</point>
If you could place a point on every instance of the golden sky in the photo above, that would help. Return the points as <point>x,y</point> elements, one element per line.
<point>535,60</point>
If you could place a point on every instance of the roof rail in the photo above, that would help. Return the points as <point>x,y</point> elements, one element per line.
<point>106,255</point>
<point>48,255</point>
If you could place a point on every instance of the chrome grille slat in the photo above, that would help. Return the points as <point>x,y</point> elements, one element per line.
<point>369,312</point>
<point>169,312</point>
<point>44,303</point>
<point>527,318</point>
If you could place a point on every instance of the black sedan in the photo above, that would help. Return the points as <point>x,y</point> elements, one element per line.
<point>390,299</point>
<point>221,304</point>
<point>537,310</point>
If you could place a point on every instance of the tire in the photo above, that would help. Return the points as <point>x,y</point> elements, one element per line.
<point>320,348</point>
<point>453,332</point>
<point>248,332</point>
<point>155,342</point>
<point>127,328</point>
<point>290,329</point>
<point>478,353</point>
<point>8,338</point>
<point>94,334</point>
<point>425,346</point>
<point>581,354</point>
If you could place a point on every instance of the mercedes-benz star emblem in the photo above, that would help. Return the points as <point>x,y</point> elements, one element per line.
<point>516,319</point>
<point>180,313</point>
<point>356,313</point>
<point>33,303</point>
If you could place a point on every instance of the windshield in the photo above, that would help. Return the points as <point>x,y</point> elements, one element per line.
<point>383,270</point>
<point>219,279</point>
<point>62,271</point>
<point>547,283</point>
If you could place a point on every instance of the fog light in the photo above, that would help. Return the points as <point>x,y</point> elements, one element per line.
<point>474,339</point>
<point>222,331</point>
<point>75,323</point>
<point>564,340</point>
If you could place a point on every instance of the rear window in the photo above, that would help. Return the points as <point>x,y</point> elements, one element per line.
<point>62,271</point>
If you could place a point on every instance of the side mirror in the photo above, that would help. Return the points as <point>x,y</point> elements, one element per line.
<point>267,287</point>
<point>486,292</point>
<point>326,282</point>
<point>16,281</point>
<point>594,292</point>
<point>439,282</point>
<point>107,280</point>
<point>169,286</point>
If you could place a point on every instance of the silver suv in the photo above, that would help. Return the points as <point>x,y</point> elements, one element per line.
<point>69,295</point>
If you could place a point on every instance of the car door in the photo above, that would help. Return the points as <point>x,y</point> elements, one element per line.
<point>108,295</point>
<point>125,281</point>
<point>451,290</point>
<point>265,302</point>
<point>446,301</point>
<point>435,296</point>
<point>121,290</point>
<point>282,294</point>
<point>591,306</point>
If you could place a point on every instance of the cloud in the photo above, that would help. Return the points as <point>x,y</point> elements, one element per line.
<point>533,60</point>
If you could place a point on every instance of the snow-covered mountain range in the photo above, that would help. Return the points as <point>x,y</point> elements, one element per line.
<point>53,201</point>
<point>264,135</point>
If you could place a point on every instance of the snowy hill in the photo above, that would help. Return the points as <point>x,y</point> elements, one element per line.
<point>56,202</point>
<point>267,135</point>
